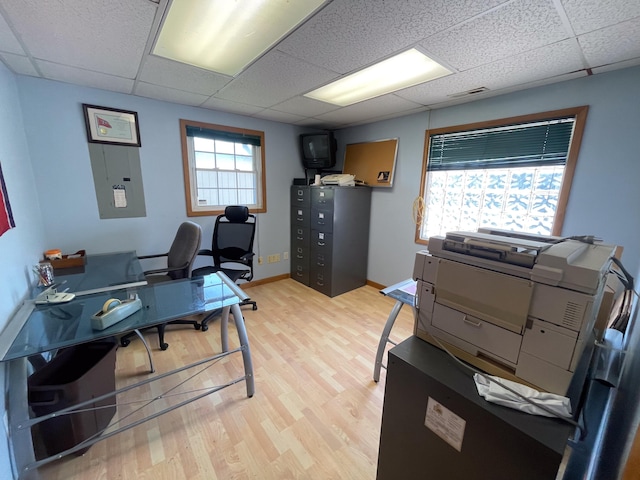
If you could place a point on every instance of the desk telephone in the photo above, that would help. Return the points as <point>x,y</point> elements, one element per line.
<point>113,311</point>
<point>340,179</point>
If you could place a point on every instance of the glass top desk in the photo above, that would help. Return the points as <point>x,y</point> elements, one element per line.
<point>40,328</point>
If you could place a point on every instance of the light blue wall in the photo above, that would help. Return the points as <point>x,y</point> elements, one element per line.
<point>60,158</point>
<point>20,247</point>
<point>45,159</point>
<point>605,192</point>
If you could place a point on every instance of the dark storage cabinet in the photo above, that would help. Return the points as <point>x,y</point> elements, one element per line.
<point>330,237</point>
<point>75,375</point>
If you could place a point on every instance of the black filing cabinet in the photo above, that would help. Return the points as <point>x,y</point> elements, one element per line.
<point>330,237</point>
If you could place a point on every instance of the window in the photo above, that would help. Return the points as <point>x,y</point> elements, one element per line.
<point>511,174</point>
<point>222,166</point>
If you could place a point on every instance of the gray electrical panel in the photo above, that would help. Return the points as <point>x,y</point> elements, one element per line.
<point>118,180</point>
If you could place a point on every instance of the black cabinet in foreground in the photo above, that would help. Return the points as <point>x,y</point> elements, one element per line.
<point>475,439</point>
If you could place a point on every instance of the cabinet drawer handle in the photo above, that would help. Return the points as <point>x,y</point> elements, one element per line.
<point>299,219</point>
<point>320,223</point>
<point>321,244</point>
<point>299,256</point>
<point>300,199</point>
<point>299,274</point>
<point>299,238</point>
<point>477,324</point>
<point>320,264</point>
<point>320,284</point>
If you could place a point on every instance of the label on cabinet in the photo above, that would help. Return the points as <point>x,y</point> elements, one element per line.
<point>444,423</point>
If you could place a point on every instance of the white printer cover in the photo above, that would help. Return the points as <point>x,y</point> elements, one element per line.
<point>566,263</point>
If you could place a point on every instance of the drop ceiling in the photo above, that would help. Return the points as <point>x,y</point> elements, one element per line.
<point>492,46</point>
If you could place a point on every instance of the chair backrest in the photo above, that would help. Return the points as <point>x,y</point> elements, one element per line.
<point>184,249</point>
<point>233,236</point>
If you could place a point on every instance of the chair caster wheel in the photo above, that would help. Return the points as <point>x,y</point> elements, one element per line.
<point>204,328</point>
<point>124,342</point>
<point>164,346</point>
<point>255,307</point>
<point>197,326</point>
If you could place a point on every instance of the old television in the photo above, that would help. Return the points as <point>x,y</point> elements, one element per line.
<point>318,150</point>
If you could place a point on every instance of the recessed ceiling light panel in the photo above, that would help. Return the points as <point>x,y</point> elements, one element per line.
<point>225,36</point>
<point>401,71</point>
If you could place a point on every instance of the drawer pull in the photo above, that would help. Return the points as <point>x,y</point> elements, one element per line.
<point>299,219</point>
<point>299,238</point>
<point>299,256</point>
<point>321,244</point>
<point>320,264</point>
<point>320,284</point>
<point>477,324</point>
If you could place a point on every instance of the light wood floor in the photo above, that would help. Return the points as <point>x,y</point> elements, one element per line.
<point>316,413</point>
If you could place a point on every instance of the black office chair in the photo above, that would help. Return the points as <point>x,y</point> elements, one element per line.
<point>231,249</point>
<point>180,258</point>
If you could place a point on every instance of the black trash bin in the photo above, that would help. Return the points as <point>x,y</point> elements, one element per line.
<point>76,374</point>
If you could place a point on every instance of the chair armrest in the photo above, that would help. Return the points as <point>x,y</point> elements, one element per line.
<point>206,252</point>
<point>247,256</point>
<point>141,257</point>
<point>165,270</point>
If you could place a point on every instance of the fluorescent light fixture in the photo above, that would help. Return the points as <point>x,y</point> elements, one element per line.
<point>226,35</point>
<point>401,71</point>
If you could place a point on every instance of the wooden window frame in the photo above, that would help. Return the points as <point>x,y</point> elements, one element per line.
<point>189,181</point>
<point>580,115</point>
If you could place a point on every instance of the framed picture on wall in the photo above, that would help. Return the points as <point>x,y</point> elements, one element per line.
<point>111,126</point>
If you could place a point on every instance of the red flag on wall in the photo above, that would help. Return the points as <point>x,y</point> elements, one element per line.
<point>103,123</point>
<point>6,217</point>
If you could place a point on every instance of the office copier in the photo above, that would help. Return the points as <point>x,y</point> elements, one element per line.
<point>514,304</point>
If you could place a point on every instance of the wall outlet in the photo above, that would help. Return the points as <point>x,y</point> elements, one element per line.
<point>260,261</point>
<point>285,256</point>
<point>273,258</point>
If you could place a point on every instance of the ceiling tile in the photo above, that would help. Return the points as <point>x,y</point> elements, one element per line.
<point>348,35</point>
<point>19,64</point>
<point>106,36</point>
<point>305,106</point>
<point>169,94</point>
<point>617,66</point>
<point>612,44</point>
<point>8,42</point>
<point>229,106</point>
<point>588,15</point>
<point>87,78</point>
<point>278,116</point>
<point>526,67</point>
<point>371,109</point>
<point>167,73</point>
<point>509,30</point>
<point>274,78</point>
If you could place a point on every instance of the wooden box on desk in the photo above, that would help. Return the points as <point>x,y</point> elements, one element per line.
<point>72,260</point>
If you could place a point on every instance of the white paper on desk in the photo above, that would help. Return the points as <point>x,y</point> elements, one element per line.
<point>492,392</point>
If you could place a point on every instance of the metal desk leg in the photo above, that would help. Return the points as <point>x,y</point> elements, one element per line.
<point>384,339</point>
<point>146,345</point>
<point>20,442</point>
<point>244,342</point>
<point>246,351</point>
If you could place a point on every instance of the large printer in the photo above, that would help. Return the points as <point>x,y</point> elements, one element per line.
<point>517,305</point>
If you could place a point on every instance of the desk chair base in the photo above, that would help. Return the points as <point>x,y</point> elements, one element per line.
<point>124,341</point>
